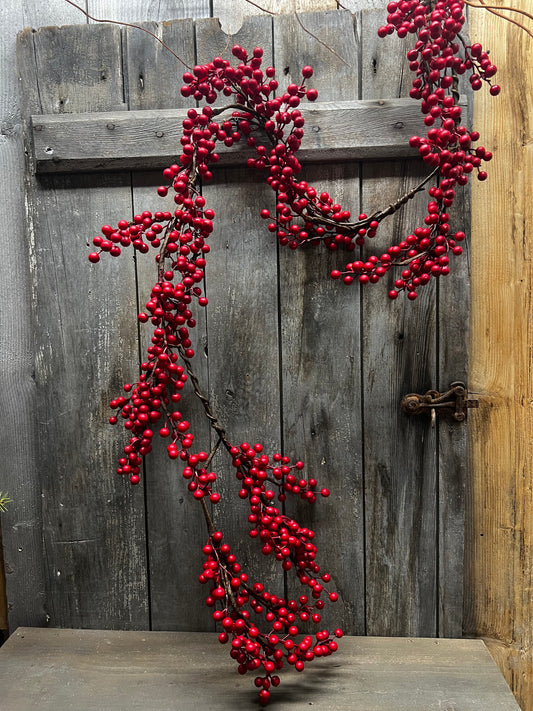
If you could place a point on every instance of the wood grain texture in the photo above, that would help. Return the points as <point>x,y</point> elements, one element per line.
<point>139,11</point>
<point>22,522</point>
<point>231,14</point>
<point>453,294</point>
<point>288,358</point>
<point>340,131</point>
<point>153,74</point>
<point>4,621</point>
<point>93,532</point>
<point>500,532</point>
<point>400,466</point>
<point>168,671</point>
<point>399,356</point>
<point>355,5</point>
<point>320,328</point>
<point>175,525</point>
<point>242,321</point>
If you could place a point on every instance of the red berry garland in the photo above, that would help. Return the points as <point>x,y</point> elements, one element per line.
<point>273,125</point>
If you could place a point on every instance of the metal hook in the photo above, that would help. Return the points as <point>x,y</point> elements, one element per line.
<point>454,403</point>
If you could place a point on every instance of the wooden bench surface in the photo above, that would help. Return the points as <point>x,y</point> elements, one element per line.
<point>86,670</point>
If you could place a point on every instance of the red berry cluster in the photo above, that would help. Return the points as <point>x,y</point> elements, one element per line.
<point>162,378</point>
<point>146,225</point>
<point>181,239</point>
<point>254,469</point>
<point>238,605</point>
<point>448,147</point>
<point>274,126</point>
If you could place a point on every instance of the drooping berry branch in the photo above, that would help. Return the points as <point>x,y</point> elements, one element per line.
<point>273,126</point>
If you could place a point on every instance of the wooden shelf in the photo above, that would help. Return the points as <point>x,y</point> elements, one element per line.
<point>91,670</point>
<point>336,131</point>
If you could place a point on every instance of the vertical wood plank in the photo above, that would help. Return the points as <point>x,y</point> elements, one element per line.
<point>141,11</point>
<point>75,60</point>
<point>22,525</point>
<point>175,525</point>
<point>4,622</point>
<point>153,74</point>
<point>399,356</point>
<point>242,316</point>
<point>403,530</point>
<point>453,466</point>
<point>356,5</point>
<point>93,529</point>
<point>231,14</point>
<point>321,357</point>
<point>499,602</point>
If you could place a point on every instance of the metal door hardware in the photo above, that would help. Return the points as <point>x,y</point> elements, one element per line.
<point>454,403</point>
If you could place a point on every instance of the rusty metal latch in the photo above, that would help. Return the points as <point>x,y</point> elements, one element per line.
<point>453,403</point>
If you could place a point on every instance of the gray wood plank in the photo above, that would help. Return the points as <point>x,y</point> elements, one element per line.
<point>336,131</point>
<point>355,5</point>
<point>22,523</point>
<point>176,528</point>
<point>175,524</point>
<point>321,360</point>
<point>232,14</point>
<point>123,671</point>
<point>82,69</point>
<point>139,11</point>
<point>242,315</point>
<point>154,74</point>
<point>453,462</point>
<point>399,356</point>
<point>453,459</point>
<point>94,543</point>
<point>414,521</point>
<point>451,324</point>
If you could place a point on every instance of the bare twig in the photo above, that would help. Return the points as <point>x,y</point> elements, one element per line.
<point>213,420</point>
<point>304,28</point>
<point>263,9</point>
<point>128,24</point>
<point>496,10</point>
<point>499,7</point>
<point>212,453</point>
<point>379,215</point>
<point>209,521</point>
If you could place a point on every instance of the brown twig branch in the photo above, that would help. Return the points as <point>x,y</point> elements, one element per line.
<point>208,520</point>
<point>496,10</point>
<point>263,9</point>
<point>128,24</point>
<point>213,420</point>
<point>307,31</point>
<point>378,215</point>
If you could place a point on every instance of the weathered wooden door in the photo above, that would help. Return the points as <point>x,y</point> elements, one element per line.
<point>295,360</point>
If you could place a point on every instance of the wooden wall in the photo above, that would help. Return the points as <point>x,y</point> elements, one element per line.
<point>500,532</point>
<point>395,522</point>
<point>498,591</point>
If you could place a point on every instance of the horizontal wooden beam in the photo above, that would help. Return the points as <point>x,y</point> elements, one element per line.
<point>334,131</point>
